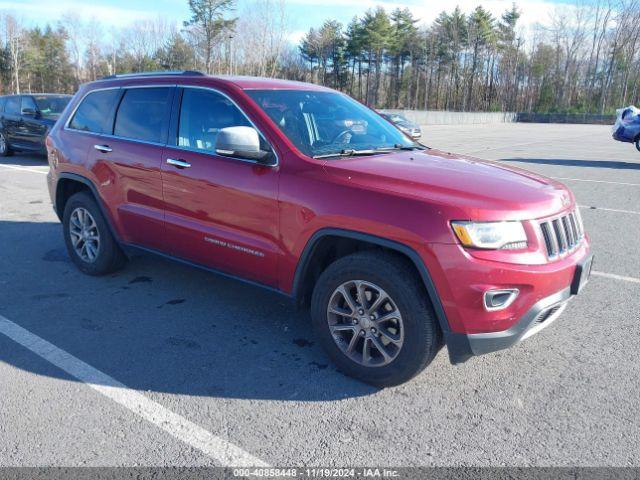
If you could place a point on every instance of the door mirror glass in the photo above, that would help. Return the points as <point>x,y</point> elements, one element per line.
<point>241,142</point>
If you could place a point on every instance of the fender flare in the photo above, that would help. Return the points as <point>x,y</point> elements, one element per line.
<point>94,191</point>
<point>307,253</point>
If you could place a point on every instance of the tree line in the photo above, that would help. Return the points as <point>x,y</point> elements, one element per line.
<point>584,60</point>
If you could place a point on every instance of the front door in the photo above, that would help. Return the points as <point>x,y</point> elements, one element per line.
<point>11,120</point>
<point>221,212</point>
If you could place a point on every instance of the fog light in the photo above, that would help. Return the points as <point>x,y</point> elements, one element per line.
<point>499,299</point>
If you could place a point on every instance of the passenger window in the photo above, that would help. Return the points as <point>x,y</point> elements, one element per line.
<point>13,106</point>
<point>144,114</point>
<point>27,102</point>
<point>93,114</point>
<point>203,114</point>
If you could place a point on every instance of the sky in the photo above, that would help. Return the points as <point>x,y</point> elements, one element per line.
<point>301,14</point>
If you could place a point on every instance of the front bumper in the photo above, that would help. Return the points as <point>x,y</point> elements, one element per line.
<point>463,346</point>
<point>619,135</point>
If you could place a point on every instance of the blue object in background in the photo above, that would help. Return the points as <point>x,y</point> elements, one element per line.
<point>627,126</point>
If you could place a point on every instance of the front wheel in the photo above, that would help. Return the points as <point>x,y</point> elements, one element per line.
<point>374,319</point>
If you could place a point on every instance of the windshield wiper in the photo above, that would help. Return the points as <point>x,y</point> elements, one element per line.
<point>349,152</point>
<point>399,146</point>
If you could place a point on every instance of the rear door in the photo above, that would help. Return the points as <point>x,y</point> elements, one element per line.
<point>128,162</point>
<point>32,128</point>
<point>221,212</point>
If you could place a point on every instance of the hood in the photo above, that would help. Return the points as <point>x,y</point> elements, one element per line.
<point>478,189</point>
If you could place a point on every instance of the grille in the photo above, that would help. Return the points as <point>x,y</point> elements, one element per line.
<point>562,234</point>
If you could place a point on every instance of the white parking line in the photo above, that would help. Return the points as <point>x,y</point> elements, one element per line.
<point>587,207</point>
<point>222,451</point>
<point>613,276</point>
<point>24,169</point>
<point>597,181</point>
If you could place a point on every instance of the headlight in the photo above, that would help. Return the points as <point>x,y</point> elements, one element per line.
<point>491,235</point>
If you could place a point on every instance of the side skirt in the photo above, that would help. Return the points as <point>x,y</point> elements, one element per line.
<point>131,250</point>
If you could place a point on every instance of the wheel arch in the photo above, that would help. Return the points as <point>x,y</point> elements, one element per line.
<point>315,250</point>
<point>69,184</point>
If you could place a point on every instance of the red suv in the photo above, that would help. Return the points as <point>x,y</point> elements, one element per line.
<point>397,248</point>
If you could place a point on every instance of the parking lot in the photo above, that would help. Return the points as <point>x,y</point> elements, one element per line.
<point>162,364</point>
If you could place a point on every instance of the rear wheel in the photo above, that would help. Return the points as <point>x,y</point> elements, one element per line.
<point>89,241</point>
<point>5,150</point>
<point>374,319</point>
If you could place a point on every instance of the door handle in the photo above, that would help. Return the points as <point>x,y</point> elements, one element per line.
<point>178,163</point>
<point>103,148</point>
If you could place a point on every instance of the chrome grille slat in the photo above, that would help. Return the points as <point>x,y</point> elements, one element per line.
<point>574,227</point>
<point>562,240</point>
<point>549,239</point>
<point>561,234</point>
<point>567,231</point>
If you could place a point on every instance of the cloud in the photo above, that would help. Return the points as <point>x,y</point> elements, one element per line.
<point>295,36</point>
<point>38,10</point>
<point>533,11</point>
<point>302,14</point>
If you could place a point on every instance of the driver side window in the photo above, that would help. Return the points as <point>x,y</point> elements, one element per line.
<point>203,113</point>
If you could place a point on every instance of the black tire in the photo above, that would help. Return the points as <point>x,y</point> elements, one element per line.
<point>5,148</point>
<point>638,144</point>
<point>422,336</point>
<point>109,257</point>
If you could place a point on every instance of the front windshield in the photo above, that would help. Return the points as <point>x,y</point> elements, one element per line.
<point>327,123</point>
<point>51,106</point>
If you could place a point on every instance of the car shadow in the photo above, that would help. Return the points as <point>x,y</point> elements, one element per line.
<point>161,326</point>
<point>614,164</point>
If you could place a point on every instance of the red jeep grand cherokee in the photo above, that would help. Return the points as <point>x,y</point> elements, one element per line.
<point>397,248</point>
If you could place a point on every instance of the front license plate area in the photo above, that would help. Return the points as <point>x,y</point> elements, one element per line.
<point>581,277</point>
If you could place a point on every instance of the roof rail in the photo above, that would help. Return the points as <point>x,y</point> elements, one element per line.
<point>154,74</point>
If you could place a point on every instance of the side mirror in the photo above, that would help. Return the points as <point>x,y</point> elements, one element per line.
<point>241,142</point>
<point>29,112</point>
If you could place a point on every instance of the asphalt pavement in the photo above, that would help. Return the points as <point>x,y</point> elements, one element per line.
<point>163,364</point>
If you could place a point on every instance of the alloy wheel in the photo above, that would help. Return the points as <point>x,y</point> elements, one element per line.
<point>365,323</point>
<point>85,237</point>
<point>3,144</point>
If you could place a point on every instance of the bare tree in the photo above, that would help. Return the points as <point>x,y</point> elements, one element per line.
<point>260,37</point>
<point>15,40</point>
<point>74,27</point>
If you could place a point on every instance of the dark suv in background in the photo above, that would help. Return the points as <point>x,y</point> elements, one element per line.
<point>25,120</point>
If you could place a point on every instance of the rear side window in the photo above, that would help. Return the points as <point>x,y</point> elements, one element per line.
<point>13,105</point>
<point>144,114</point>
<point>93,114</point>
